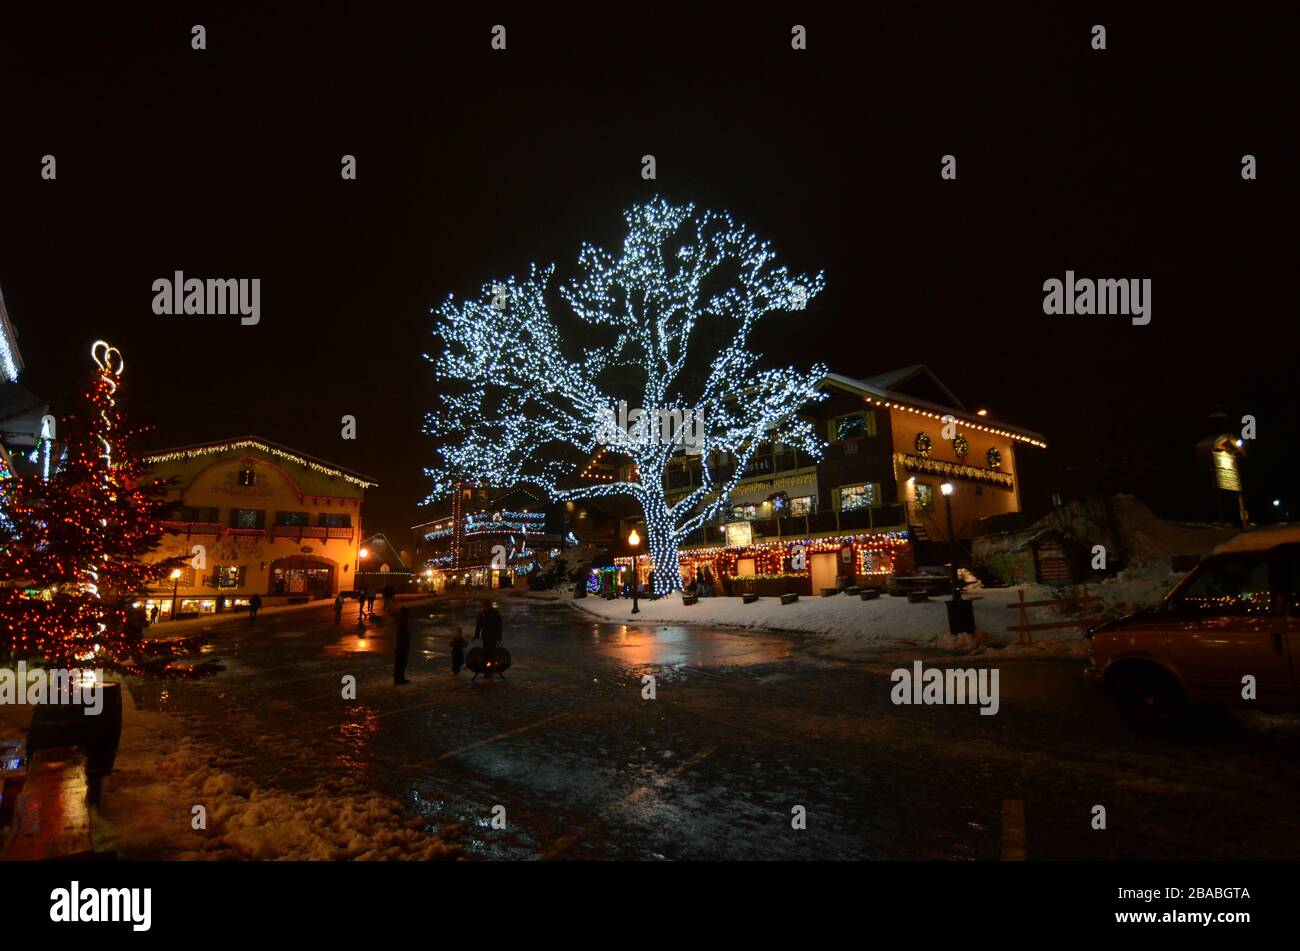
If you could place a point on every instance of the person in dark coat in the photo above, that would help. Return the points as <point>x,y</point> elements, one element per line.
<point>370,605</point>
<point>338,608</point>
<point>254,605</point>
<point>403,647</point>
<point>390,595</point>
<point>361,604</point>
<point>488,627</point>
<point>457,651</point>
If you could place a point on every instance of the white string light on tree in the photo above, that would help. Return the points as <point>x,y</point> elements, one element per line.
<point>521,403</point>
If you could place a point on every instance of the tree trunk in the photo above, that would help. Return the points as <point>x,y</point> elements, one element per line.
<point>663,547</point>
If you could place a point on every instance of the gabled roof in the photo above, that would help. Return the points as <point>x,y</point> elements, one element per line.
<point>915,380</point>
<point>891,398</point>
<point>262,445</point>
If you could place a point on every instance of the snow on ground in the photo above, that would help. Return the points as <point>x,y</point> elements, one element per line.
<point>848,626</point>
<point>160,775</point>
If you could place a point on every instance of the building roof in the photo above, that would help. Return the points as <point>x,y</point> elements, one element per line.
<point>11,360</point>
<point>908,377</point>
<point>183,453</point>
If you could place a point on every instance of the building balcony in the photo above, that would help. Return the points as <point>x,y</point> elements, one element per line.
<point>793,528</point>
<point>299,532</point>
<point>192,528</point>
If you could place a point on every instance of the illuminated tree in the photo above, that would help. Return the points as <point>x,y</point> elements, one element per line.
<point>74,555</point>
<point>527,395</point>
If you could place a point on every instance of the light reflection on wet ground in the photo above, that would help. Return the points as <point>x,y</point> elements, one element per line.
<point>744,727</point>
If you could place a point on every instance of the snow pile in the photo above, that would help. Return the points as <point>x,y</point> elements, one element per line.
<point>146,809</point>
<point>859,627</point>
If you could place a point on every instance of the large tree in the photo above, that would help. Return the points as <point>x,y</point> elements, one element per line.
<point>75,550</point>
<point>528,393</point>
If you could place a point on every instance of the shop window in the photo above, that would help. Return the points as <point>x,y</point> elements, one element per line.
<point>853,426</point>
<point>247,518</point>
<point>865,495</point>
<point>803,505</point>
<point>292,518</point>
<point>246,476</point>
<point>331,520</point>
<point>924,497</point>
<point>228,576</point>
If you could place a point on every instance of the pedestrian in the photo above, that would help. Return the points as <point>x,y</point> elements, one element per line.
<point>488,627</point>
<point>338,608</point>
<point>361,604</point>
<point>254,605</point>
<point>370,606</point>
<point>221,603</point>
<point>153,615</point>
<point>457,651</point>
<point>390,596</point>
<point>403,647</point>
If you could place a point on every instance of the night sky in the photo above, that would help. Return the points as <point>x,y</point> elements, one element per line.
<point>472,163</point>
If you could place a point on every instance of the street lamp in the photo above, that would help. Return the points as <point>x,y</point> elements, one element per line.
<point>634,541</point>
<point>176,583</point>
<point>946,489</point>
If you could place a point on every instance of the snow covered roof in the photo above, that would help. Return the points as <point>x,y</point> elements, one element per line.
<point>1261,539</point>
<point>889,398</point>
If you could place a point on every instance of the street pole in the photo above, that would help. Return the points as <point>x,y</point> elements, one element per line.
<point>947,489</point>
<point>634,541</point>
<point>175,587</point>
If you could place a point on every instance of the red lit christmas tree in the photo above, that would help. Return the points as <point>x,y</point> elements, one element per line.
<point>75,553</point>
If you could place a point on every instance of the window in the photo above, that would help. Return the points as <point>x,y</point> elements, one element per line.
<point>190,513</point>
<point>246,476</point>
<point>1229,587</point>
<point>331,520</point>
<point>866,495</point>
<point>853,426</point>
<point>228,576</point>
<point>247,518</point>
<point>1288,580</point>
<point>292,518</point>
<point>803,505</point>
<point>924,497</point>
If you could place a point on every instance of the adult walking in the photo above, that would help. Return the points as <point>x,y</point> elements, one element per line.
<point>254,605</point>
<point>487,626</point>
<point>338,608</point>
<point>361,604</point>
<point>403,647</point>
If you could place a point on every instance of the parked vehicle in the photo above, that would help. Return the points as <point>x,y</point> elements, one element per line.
<point>1227,635</point>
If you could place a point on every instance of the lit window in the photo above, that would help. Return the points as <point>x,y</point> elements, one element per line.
<point>866,495</point>
<point>924,497</point>
<point>803,505</point>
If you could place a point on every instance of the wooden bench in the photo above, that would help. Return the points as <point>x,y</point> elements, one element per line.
<point>52,814</point>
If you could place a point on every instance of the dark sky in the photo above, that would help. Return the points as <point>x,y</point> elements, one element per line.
<point>472,163</point>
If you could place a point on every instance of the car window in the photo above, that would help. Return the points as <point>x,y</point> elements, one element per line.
<point>1288,581</point>
<point>1233,587</point>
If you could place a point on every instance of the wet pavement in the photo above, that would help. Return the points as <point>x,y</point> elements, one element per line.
<point>743,728</point>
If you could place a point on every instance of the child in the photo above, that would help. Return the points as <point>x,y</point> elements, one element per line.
<point>457,652</point>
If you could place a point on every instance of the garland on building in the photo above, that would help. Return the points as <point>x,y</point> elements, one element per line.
<point>75,552</point>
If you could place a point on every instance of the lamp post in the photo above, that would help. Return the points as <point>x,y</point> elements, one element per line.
<point>634,541</point>
<point>176,583</point>
<point>946,489</point>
